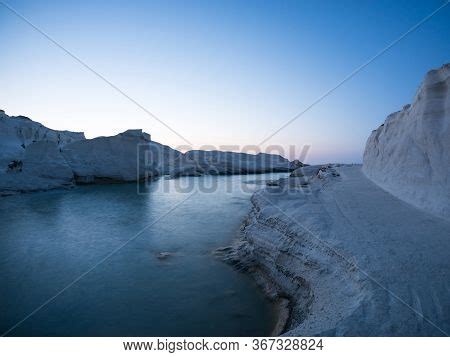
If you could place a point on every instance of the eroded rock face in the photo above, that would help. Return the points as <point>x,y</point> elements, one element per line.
<point>25,163</point>
<point>17,133</point>
<point>129,156</point>
<point>409,155</point>
<point>202,162</point>
<point>42,168</point>
<point>330,243</point>
<point>44,159</point>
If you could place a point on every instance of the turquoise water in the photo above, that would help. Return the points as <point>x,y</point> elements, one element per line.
<point>49,239</point>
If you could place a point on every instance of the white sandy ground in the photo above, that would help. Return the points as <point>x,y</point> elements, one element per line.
<point>351,258</point>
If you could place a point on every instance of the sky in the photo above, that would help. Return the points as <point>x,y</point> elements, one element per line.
<point>220,73</point>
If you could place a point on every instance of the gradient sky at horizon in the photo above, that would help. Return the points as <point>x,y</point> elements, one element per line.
<point>220,72</point>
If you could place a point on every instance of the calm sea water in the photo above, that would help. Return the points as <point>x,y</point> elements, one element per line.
<point>49,239</point>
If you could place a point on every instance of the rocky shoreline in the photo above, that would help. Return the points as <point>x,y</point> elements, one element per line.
<point>341,249</point>
<point>287,260</point>
<point>36,158</point>
<point>362,250</point>
<point>345,268</point>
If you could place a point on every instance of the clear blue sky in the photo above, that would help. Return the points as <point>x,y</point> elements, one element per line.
<point>220,72</point>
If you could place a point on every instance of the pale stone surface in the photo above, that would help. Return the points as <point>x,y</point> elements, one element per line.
<point>409,155</point>
<point>202,162</point>
<point>351,258</point>
<point>42,168</point>
<point>129,156</point>
<point>16,133</point>
<point>126,157</point>
<point>306,171</point>
<point>363,251</point>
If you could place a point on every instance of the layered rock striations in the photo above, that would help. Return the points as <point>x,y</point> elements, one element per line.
<point>351,259</point>
<point>409,155</point>
<point>362,251</point>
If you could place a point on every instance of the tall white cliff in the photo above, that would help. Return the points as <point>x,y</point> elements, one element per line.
<point>409,155</point>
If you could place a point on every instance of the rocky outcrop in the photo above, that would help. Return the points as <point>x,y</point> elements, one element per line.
<point>409,155</point>
<point>307,171</point>
<point>340,243</point>
<point>60,161</point>
<point>201,162</point>
<point>129,156</point>
<point>16,133</point>
<point>126,157</point>
<point>41,168</point>
<point>352,259</point>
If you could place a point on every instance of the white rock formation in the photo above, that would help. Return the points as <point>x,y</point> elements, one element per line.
<point>347,251</point>
<point>201,162</point>
<point>41,168</point>
<point>307,171</point>
<point>351,258</point>
<point>126,157</point>
<point>409,155</point>
<point>16,133</point>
